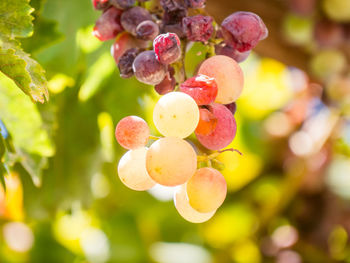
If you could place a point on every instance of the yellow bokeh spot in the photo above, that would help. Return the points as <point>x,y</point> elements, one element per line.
<point>59,82</point>
<point>11,201</point>
<point>69,228</point>
<point>246,252</point>
<point>265,89</point>
<point>229,225</point>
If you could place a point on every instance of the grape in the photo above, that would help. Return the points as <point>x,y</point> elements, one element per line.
<point>122,4</point>
<point>186,211</point>
<point>243,30</point>
<point>328,63</point>
<point>198,28</point>
<point>167,48</point>
<point>201,88</point>
<point>168,83</point>
<point>132,170</point>
<point>148,69</point>
<point>147,30</point>
<point>225,129</point>
<point>226,50</point>
<point>195,3</point>
<point>176,114</point>
<point>126,61</point>
<point>108,25</point>
<point>124,42</point>
<point>132,132</point>
<point>232,107</point>
<point>206,190</point>
<point>328,33</point>
<point>337,10</point>
<point>172,22</point>
<point>100,4</point>
<point>207,122</point>
<point>171,161</point>
<point>228,76</point>
<point>132,17</point>
<point>172,5</point>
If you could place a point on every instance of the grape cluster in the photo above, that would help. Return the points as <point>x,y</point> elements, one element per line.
<point>151,46</point>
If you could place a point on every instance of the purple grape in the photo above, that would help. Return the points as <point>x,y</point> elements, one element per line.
<point>147,30</point>
<point>167,48</point>
<point>195,3</point>
<point>172,22</point>
<point>168,83</point>
<point>132,17</point>
<point>108,25</point>
<point>148,69</point>
<point>232,107</point>
<point>173,5</point>
<point>243,30</point>
<point>198,28</point>
<point>100,4</point>
<point>226,50</point>
<point>122,4</point>
<point>126,61</point>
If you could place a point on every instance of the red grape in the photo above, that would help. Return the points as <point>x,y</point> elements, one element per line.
<point>167,48</point>
<point>225,129</point>
<point>198,28</point>
<point>132,17</point>
<point>243,30</point>
<point>201,88</point>
<point>207,122</point>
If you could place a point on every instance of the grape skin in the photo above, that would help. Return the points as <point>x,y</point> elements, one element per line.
<point>225,129</point>
<point>132,17</point>
<point>201,88</point>
<point>132,170</point>
<point>206,190</point>
<point>108,25</point>
<point>148,69</point>
<point>228,76</point>
<point>243,30</point>
<point>171,161</point>
<point>176,114</point>
<point>184,208</point>
<point>132,132</point>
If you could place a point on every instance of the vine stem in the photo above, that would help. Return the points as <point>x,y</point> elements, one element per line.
<point>205,158</point>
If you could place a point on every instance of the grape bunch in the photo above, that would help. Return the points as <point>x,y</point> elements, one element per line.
<point>151,45</point>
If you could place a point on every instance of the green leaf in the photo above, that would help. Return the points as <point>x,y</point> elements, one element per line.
<point>28,75</point>
<point>15,18</point>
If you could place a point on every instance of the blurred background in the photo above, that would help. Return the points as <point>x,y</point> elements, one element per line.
<point>289,194</point>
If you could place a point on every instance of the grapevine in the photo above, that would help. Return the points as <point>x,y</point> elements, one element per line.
<point>151,41</point>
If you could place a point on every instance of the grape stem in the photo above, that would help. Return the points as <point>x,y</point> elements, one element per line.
<point>205,158</point>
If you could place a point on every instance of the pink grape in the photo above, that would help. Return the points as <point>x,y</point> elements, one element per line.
<point>201,88</point>
<point>206,190</point>
<point>184,208</point>
<point>243,30</point>
<point>108,25</point>
<point>228,76</point>
<point>132,132</point>
<point>224,132</point>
